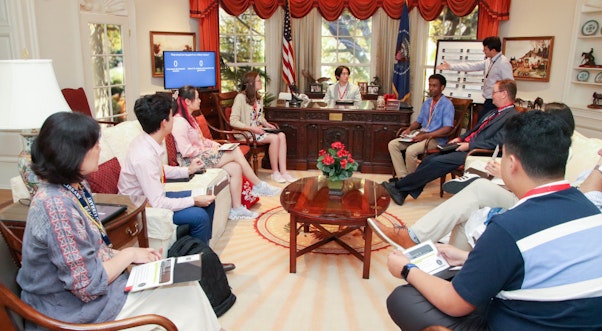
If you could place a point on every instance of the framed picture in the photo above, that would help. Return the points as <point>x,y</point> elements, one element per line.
<point>531,57</point>
<point>363,87</point>
<point>315,88</point>
<point>168,41</point>
<point>372,89</point>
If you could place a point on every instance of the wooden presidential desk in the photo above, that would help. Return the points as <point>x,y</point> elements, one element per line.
<point>365,132</point>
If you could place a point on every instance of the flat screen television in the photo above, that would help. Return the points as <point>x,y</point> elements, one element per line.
<point>188,68</point>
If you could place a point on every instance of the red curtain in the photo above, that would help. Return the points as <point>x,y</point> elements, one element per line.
<point>491,12</point>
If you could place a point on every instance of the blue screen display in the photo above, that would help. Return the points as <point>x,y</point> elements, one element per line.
<point>188,68</point>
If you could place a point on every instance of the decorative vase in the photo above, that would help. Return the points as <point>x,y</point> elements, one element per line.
<point>335,187</point>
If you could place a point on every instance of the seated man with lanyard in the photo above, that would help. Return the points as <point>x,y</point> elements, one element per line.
<point>435,121</point>
<point>143,172</point>
<point>486,134</point>
<point>536,266</point>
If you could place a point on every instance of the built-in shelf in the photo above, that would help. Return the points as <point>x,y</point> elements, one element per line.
<point>588,68</point>
<point>587,83</point>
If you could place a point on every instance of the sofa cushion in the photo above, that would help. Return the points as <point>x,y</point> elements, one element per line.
<point>172,150</point>
<point>202,122</point>
<point>105,179</point>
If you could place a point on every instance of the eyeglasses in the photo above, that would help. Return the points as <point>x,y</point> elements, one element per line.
<point>492,92</point>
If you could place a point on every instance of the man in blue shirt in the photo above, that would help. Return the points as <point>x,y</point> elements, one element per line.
<point>435,121</point>
<point>536,266</point>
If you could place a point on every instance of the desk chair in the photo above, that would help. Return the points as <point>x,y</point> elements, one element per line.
<point>223,103</point>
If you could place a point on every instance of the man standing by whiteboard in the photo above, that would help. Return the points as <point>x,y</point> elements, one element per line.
<point>496,67</point>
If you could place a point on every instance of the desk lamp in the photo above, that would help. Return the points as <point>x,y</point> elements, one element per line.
<point>29,93</point>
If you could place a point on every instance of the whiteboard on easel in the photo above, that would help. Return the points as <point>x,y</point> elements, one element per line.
<point>461,84</point>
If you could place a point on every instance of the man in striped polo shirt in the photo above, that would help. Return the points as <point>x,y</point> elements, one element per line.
<point>536,266</point>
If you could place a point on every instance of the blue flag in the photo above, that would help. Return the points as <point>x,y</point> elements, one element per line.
<point>401,70</point>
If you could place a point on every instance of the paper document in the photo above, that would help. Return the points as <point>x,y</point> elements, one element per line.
<point>408,138</point>
<point>164,272</point>
<point>424,255</point>
<point>228,147</point>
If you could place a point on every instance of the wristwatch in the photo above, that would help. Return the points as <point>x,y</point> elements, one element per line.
<point>406,270</point>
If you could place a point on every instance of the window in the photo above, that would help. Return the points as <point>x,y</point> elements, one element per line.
<point>242,47</point>
<point>346,41</point>
<point>107,60</point>
<point>104,33</point>
<point>448,26</point>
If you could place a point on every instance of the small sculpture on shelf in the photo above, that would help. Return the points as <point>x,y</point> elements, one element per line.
<point>588,59</point>
<point>597,102</point>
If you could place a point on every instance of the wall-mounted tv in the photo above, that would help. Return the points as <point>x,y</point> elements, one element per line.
<point>188,68</point>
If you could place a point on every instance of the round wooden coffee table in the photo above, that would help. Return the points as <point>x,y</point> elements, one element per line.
<point>309,204</point>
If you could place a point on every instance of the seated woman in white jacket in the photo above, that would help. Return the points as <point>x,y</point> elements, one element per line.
<point>247,113</point>
<point>191,144</point>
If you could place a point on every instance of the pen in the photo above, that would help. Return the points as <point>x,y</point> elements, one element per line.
<point>495,153</point>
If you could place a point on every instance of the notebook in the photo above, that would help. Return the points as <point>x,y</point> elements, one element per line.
<point>423,255</point>
<point>228,147</point>
<point>169,271</point>
<point>109,211</point>
<point>408,138</point>
<point>447,148</point>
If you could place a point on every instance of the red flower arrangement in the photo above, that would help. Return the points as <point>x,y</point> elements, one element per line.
<point>336,162</point>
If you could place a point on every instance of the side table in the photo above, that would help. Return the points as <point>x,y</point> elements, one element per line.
<point>127,229</point>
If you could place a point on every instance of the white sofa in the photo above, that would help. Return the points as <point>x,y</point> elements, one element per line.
<point>114,142</point>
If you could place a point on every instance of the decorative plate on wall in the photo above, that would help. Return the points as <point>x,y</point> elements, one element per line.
<point>590,28</point>
<point>598,78</point>
<point>583,75</point>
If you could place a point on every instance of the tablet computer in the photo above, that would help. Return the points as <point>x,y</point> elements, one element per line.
<point>109,211</point>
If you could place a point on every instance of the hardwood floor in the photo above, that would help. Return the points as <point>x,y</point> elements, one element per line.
<point>6,198</point>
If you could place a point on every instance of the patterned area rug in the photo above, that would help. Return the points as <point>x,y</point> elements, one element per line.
<point>273,225</point>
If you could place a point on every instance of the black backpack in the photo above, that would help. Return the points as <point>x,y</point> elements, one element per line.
<point>213,279</point>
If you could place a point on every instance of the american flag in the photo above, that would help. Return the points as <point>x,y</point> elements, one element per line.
<point>288,54</point>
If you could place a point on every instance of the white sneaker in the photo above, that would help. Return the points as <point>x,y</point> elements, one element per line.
<point>242,213</point>
<point>265,189</point>
<point>456,185</point>
<point>276,176</point>
<point>288,177</point>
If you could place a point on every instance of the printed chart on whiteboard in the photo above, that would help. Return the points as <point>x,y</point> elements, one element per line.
<point>461,84</point>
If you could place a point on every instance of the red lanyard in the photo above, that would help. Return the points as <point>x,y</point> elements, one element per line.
<point>431,111</point>
<point>547,189</point>
<point>344,91</point>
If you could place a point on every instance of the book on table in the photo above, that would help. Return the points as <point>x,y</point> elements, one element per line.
<point>168,271</point>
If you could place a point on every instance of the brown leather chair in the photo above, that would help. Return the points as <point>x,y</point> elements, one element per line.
<point>223,103</point>
<point>78,102</point>
<point>461,107</point>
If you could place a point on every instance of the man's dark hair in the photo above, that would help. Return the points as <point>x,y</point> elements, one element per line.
<point>151,110</point>
<point>440,78</point>
<point>339,70</point>
<point>59,149</point>
<point>563,111</point>
<point>493,43</point>
<point>540,141</point>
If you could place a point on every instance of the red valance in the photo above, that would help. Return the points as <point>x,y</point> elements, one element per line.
<point>491,12</point>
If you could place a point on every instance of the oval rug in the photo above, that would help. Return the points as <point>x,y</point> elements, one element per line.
<point>273,225</point>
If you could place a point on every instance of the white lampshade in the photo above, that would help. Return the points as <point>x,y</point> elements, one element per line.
<point>29,93</point>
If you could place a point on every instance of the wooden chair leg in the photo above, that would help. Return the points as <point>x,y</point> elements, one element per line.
<point>255,162</point>
<point>441,181</point>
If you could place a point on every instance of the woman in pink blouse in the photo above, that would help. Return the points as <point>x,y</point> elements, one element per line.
<point>191,144</point>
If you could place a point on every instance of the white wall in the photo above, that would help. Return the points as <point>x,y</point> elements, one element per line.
<point>158,15</point>
<point>543,18</point>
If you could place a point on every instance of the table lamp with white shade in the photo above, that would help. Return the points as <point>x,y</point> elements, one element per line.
<point>29,93</point>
